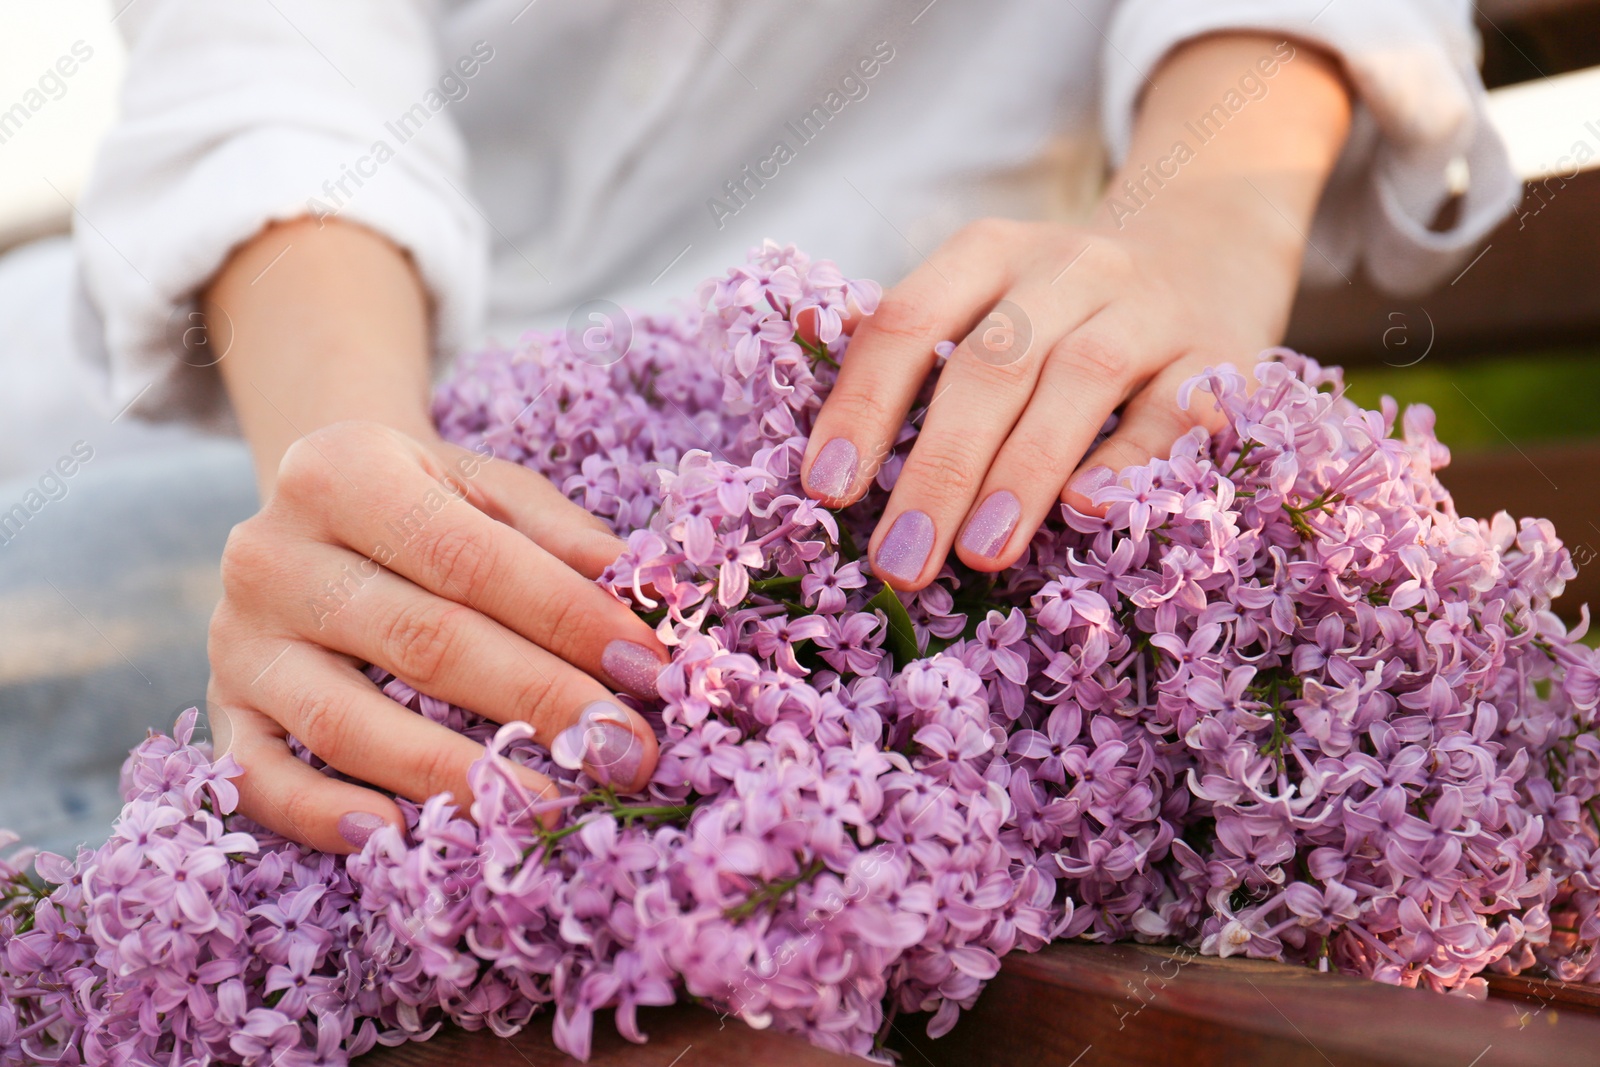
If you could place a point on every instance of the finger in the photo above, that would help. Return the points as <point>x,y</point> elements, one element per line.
<point>1085,377</point>
<point>337,713</point>
<point>888,360</point>
<point>452,652</point>
<point>991,379</point>
<point>982,391</point>
<point>1149,426</point>
<point>526,501</point>
<point>806,324</point>
<point>433,535</point>
<point>288,796</point>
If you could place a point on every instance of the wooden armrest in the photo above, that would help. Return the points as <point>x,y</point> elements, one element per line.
<point>1081,1005</point>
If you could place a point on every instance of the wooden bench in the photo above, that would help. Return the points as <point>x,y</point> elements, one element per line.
<point>1078,1005</point>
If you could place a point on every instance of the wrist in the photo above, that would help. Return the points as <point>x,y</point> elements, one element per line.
<point>1250,212</point>
<point>329,324</point>
<point>1224,252</point>
<point>1233,143</point>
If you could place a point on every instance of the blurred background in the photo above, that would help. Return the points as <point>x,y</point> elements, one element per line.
<point>1508,351</point>
<point>106,592</point>
<point>104,597</point>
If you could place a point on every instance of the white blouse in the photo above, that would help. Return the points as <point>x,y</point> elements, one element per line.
<point>533,155</point>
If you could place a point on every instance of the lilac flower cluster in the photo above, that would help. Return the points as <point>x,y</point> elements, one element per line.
<point>1281,701</point>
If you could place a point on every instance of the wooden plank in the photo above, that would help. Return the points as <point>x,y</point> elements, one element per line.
<point>1527,39</point>
<point>684,1035</point>
<point>1078,1005</point>
<point>1534,287</point>
<point>1560,482</point>
<point>1546,993</point>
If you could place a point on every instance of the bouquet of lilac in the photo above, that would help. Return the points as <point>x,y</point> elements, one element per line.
<point>1281,701</point>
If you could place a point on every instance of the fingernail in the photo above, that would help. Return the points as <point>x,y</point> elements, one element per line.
<point>632,666</point>
<point>356,826</point>
<point>834,469</point>
<point>601,743</point>
<point>1092,479</point>
<point>904,551</point>
<point>991,525</point>
<point>615,755</point>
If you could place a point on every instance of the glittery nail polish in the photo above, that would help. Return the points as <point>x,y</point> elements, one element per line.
<point>602,744</point>
<point>1092,479</point>
<point>615,754</point>
<point>991,525</point>
<point>357,826</point>
<point>834,470</point>
<point>632,666</point>
<point>904,550</point>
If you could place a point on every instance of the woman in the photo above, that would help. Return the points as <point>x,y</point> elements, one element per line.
<point>349,193</point>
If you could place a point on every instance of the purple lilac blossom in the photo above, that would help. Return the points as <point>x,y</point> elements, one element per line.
<point>1281,702</point>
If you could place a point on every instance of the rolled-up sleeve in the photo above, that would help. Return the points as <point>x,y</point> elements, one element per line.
<point>240,114</point>
<point>1419,122</point>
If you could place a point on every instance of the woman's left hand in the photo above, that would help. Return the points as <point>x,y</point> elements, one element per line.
<point>1062,325</point>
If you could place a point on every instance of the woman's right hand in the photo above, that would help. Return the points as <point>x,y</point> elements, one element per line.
<point>466,576</point>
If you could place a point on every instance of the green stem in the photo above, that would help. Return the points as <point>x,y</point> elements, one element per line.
<point>815,351</point>
<point>772,892</point>
<point>627,813</point>
<point>1244,450</point>
<point>761,585</point>
<point>1298,515</point>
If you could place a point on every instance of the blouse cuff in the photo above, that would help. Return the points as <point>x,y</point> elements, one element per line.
<point>1419,115</point>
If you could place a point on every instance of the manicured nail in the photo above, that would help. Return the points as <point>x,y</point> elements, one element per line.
<point>615,755</point>
<point>834,469</point>
<point>356,826</point>
<point>904,551</point>
<point>632,666</point>
<point>1092,479</point>
<point>991,525</point>
<point>601,743</point>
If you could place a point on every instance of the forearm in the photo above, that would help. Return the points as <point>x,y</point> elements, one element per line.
<point>1234,141</point>
<point>327,323</point>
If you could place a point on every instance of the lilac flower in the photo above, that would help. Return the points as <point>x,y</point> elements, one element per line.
<point>1139,500</point>
<point>827,585</point>
<point>1281,701</point>
<point>1051,745</point>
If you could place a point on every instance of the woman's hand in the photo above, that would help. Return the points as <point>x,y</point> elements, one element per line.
<point>467,577</point>
<point>1062,325</point>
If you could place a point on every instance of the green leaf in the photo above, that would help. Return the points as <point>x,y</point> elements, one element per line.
<point>901,639</point>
